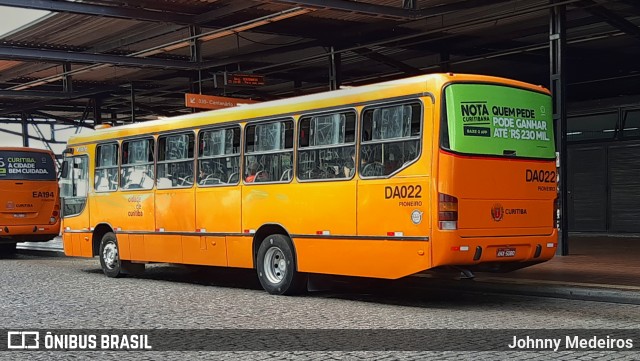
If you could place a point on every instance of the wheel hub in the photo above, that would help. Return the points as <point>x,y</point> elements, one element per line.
<point>275,265</point>
<point>110,255</point>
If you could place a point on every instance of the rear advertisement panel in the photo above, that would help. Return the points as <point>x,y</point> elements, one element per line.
<point>18,165</point>
<point>499,120</point>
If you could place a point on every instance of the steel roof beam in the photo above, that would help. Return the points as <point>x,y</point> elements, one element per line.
<point>61,120</point>
<point>610,18</point>
<point>229,9</point>
<point>31,94</point>
<point>15,53</point>
<point>635,7</point>
<point>31,136</point>
<point>389,12</point>
<point>41,103</point>
<point>371,54</point>
<point>100,10</point>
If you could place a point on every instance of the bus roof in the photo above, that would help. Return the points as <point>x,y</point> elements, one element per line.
<point>342,97</point>
<point>26,149</point>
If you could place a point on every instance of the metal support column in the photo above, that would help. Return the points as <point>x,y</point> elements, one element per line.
<point>97,110</point>
<point>196,57</point>
<point>67,84</point>
<point>133,104</point>
<point>410,4</point>
<point>335,61</point>
<point>25,129</point>
<point>195,80</point>
<point>557,46</point>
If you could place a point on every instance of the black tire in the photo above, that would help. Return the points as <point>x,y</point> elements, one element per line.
<point>7,248</point>
<point>277,267</point>
<point>110,256</point>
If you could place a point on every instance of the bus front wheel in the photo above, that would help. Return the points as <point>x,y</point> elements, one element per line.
<point>110,256</point>
<point>276,266</point>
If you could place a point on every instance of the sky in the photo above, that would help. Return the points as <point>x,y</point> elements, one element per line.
<point>12,18</point>
<point>62,133</point>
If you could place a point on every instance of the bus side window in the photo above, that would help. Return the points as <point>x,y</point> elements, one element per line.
<point>219,157</point>
<point>268,152</point>
<point>390,138</point>
<point>106,170</point>
<point>326,146</point>
<point>137,164</point>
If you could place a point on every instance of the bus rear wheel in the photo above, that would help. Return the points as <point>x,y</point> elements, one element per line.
<point>276,266</point>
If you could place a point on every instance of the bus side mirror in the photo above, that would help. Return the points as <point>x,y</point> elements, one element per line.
<point>65,169</point>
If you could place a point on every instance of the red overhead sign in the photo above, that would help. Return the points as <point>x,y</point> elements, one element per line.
<point>245,79</point>
<point>213,102</point>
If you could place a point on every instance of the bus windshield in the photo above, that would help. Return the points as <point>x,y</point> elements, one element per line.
<point>24,165</point>
<point>498,120</point>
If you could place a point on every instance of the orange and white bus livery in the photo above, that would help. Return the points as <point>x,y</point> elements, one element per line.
<point>29,197</point>
<point>385,180</point>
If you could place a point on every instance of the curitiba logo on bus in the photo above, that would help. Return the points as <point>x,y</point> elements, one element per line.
<point>497,212</point>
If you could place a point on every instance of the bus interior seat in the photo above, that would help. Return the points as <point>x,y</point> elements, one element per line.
<point>209,180</point>
<point>286,175</point>
<point>164,183</point>
<point>102,183</point>
<point>375,169</point>
<point>81,188</point>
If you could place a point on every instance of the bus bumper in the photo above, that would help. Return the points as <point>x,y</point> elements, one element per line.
<point>29,233</point>
<point>495,254</point>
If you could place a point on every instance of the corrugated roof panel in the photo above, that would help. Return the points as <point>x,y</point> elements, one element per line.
<point>71,30</point>
<point>8,64</point>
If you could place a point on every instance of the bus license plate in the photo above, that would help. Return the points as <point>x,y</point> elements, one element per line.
<point>506,252</point>
<point>19,215</point>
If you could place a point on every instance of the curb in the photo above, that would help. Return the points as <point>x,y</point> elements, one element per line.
<point>40,251</point>
<point>511,286</point>
<point>538,289</point>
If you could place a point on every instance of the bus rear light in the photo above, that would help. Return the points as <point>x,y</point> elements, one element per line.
<point>551,245</point>
<point>52,220</point>
<point>447,212</point>
<point>395,234</point>
<point>56,211</point>
<point>460,248</point>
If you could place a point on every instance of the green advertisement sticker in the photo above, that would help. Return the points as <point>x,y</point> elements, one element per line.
<point>499,120</point>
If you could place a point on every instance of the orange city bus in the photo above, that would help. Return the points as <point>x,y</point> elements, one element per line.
<point>384,180</point>
<point>29,197</point>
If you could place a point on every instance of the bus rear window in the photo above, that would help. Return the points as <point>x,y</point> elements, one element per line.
<point>497,120</point>
<point>21,165</point>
